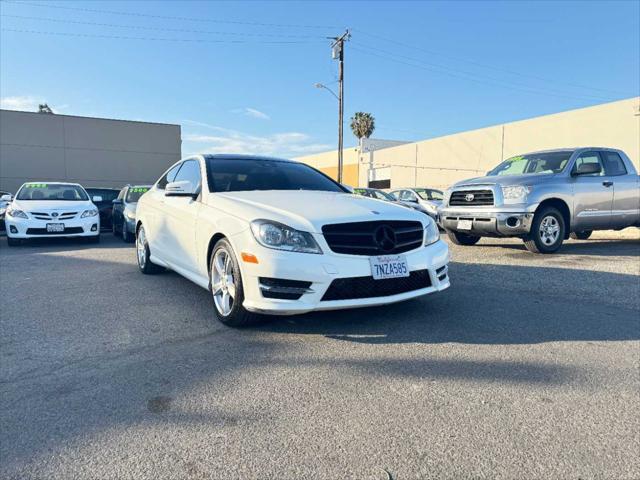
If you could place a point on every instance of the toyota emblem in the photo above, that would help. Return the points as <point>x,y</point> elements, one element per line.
<point>54,214</point>
<point>385,238</point>
<point>469,197</point>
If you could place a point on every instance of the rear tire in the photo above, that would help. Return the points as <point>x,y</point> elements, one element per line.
<point>143,254</point>
<point>581,235</point>
<point>114,230</point>
<point>225,284</point>
<point>547,231</point>
<point>462,238</point>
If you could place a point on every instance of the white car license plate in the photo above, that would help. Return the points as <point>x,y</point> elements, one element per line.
<point>389,266</point>
<point>55,227</point>
<point>465,224</point>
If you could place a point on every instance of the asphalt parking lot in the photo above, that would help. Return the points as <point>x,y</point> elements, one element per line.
<point>527,367</point>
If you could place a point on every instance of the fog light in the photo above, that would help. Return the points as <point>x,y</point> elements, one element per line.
<point>513,222</point>
<point>94,227</point>
<point>13,229</point>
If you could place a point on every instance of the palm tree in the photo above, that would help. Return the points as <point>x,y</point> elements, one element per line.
<point>362,125</point>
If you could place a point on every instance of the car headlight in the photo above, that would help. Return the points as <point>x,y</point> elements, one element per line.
<point>89,213</point>
<point>280,237</point>
<point>130,215</point>
<point>16,213</point>
<point>515,193</point>
<point>431,233</point>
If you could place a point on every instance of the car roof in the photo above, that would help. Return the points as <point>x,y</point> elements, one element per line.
<point>235,156</point>
<point>51,183</point>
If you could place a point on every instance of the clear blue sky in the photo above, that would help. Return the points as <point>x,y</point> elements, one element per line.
<point>455,66</point>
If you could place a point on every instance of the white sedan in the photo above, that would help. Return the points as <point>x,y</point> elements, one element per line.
<point>271,236</point>
<point>45,210</point>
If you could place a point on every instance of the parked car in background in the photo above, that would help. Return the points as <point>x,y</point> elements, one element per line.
<point>5,200</point>
<point>375,193</point>
<point>105,205</point>
<point>278,237</point>
<point>545,197</point>
<point>427,200</point>
<point>124,211</point>
<point>44,210</point>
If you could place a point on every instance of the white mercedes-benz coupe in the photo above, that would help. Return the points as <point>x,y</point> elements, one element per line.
<point>45,210</point>
<point>272,236</point>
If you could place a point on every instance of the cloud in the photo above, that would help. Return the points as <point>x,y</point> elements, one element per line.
<point>27,103</point>
<point>252,112</point>
<point>287,144</point>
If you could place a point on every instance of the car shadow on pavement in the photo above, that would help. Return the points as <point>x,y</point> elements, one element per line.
<point>533,305</point>
<point>598,247</point>
<point>45,245</point>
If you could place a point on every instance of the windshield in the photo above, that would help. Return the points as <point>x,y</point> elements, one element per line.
<point>429,194</point>
<point>548,162</point>
<point>134,194</point>
<point>52,191</point>
<point>246,174</point>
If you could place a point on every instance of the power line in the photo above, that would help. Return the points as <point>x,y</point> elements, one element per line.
<point>192,40</point>
<point>168,17</point>
<point>484,65</point>
<point>141,27</point>
<point>470,76</point>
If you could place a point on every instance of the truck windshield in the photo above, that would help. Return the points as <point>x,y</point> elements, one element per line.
<point>52,191</point>
<point>547,162</point>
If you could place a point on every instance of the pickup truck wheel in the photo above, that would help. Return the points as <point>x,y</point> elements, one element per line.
<point>462,238</point>
<point>581,235</point>
<point>226,287</point>
<point>547,231</point>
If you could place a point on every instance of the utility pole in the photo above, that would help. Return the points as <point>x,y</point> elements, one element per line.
<point>337,52</point>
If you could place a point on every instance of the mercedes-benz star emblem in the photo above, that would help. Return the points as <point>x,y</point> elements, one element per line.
<point>54,214</point>
<point>469,197</point>
<point>385,238</point>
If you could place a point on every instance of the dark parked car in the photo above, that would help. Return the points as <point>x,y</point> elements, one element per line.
<point>124,211</point>
<point>105,205</point>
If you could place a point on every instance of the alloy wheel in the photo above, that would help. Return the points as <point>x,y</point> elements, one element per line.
<point>549,230</point>
<point>223,282</point>
<point>141,247</point>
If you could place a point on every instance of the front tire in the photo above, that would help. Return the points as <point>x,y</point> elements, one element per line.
<point>126,236</point>
<point>584,235</point>
<point>226,287</point>
<point>547,231</point>
<point>458,238</point>
<point>143,254</point>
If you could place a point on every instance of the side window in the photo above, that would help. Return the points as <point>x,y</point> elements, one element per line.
<point>408,196</point>
<point>168,177</point>
<point>190,171</point>
<point>589,157</point>
<point>613,164</point>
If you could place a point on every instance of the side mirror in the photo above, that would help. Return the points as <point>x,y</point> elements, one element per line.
<point>5,198</point>
<point>96,198</point>
<point>588,169</point>
<point>181,188</point>
<point>117,201</point>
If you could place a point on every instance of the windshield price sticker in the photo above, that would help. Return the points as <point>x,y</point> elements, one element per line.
<point>36,185</point>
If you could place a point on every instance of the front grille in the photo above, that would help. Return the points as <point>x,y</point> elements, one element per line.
<point>48,216</point>
<point>283,289</point>
<point>43,231</point>
<point>360,238</point>
<point>480,197</point>
<point>366,287</point>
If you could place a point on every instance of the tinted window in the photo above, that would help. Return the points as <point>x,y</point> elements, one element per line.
<point>51,191</point>
<point>134,193</point>
<point>545,162</point>
<point>190,171</point>
<point>407,196</point>
<point>168,177</point>
<point>380,195</point>
<point>589,157</point>
<point>107,194</point>
<point>613,164</point>
<point>235,175</point>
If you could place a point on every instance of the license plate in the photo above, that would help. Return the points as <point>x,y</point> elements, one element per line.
<point>55,227</point>
<point>389,266</point>
<point>465,224</point>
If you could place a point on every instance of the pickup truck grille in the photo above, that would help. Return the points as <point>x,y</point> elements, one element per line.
<point>363,238</point>
<point>463,198</point>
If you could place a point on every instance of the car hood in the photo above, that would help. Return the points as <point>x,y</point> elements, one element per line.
<point>309,210</point>
<point>51,205</point>
<point>530,179</point>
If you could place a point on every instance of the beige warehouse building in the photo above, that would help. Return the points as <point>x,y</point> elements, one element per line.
<point>94,152</point>
<point>441,161</point>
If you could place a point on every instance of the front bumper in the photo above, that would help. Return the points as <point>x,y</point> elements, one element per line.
<point>322,270</point>
<point>487,222</point>
<point>33,228</point>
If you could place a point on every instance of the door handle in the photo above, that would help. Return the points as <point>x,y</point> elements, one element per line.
<point>607,184</point>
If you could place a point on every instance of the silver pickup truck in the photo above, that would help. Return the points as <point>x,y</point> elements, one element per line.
<point>545,198</point>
